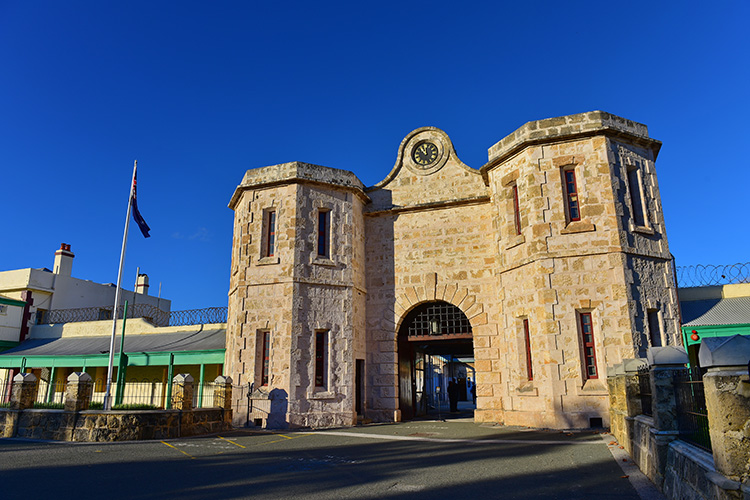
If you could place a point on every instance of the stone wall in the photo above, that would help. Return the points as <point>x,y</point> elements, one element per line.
<point>93,425</point>
<point>679,469</point>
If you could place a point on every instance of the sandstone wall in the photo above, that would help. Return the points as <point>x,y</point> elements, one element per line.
<point>93,425</point>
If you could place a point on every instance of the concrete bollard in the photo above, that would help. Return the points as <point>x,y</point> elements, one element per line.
<point>78,391</point>
<point>182,392</point>
<point>25,387</point>
<point>728,403</point>
<point>223,392</point>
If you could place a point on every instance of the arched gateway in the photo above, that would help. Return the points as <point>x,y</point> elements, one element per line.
<point>432,339</point>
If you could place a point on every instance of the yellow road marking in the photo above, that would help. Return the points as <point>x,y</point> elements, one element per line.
<point>175,448</point>
<point>282,440</point>
<point>230,441</point>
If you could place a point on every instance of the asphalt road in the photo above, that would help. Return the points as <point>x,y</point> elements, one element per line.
<point>429,459</point>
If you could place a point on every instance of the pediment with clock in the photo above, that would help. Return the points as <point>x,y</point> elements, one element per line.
<point>427,171</point>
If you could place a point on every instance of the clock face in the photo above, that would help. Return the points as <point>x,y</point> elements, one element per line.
<point>425,153</point>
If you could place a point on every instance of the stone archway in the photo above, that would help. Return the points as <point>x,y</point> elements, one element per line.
<point>410,302</point>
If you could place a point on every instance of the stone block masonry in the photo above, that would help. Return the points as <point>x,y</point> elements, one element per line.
<point>678,468</point>
<point>77,423</point>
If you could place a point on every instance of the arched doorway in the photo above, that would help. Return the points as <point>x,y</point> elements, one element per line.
<point>434,345</point>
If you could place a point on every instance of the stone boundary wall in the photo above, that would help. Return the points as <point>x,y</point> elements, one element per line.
<point>679,469</point>
<point>98,425</point>
<point>77,423</point>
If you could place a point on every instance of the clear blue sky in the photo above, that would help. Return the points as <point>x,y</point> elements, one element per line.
<point>199,92</point>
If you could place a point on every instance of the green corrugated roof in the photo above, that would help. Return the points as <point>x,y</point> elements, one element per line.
<point>199,340</point>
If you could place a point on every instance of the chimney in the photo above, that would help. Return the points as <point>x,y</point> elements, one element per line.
<point>141,284</point>
<point>63,261</point>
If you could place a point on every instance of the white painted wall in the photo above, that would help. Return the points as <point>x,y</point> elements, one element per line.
<point>10,322</point>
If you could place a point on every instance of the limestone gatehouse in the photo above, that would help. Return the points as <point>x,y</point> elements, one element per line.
<point>542,268</point>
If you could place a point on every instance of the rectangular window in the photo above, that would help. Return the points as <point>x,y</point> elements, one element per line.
<point>266,356</point>
<point>527,341</point>
<point>324,233</point>
<point>270,236</point>
<point>3,309</point>
<point>654,327</point>
<point>636,197</point>
<point>589,352</point>
<point>571,195</point>
<point>321,358</point>
<point>41,316</point>
<point>516,210</point>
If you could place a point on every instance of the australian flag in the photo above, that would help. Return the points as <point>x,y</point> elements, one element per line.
<point>136,213</point>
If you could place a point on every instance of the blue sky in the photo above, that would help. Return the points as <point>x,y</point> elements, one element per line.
<point>199,92</point>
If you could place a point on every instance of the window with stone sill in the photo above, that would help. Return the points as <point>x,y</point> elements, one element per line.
<point>527,349</point>
<point>654,327</point>
<point>588,349</point>
<point>637,199</point>
<point>321,359</point>
<point>264,342</point>
<point>324,234</point>
<point>268,242</point>
<point>516,209</point>
<point>570,191</point>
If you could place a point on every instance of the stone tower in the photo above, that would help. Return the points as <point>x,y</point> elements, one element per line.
<point>296,299</point>
<point>582,246</point>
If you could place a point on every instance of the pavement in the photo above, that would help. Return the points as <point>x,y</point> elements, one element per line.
<point>452,458</point>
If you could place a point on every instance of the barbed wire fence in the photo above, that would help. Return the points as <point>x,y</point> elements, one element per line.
<point>710,275</point>
<point>152,314</point>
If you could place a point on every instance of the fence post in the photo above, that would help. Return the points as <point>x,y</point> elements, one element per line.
<point>223,397</point>
<point>25,386</point>
<point>631,389</point>
<point>223,392</point>
<point>727,389</point>
<point>182,392</point>
<point>617,403</point>
<point>666,363</point>
<point>78,391</point>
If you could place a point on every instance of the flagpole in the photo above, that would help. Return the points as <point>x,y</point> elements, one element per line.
<point>108,393</point>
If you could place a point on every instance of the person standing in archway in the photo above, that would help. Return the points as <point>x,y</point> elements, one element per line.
<point>453,390</point>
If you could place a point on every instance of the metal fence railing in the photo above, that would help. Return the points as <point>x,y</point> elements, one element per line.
<point>692,416</point>
<point>708,275</point>
<point>644,383</point>
<point>151,313</point>
<point>144,394</point>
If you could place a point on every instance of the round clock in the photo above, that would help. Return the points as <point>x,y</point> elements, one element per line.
<point>424,154</point>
